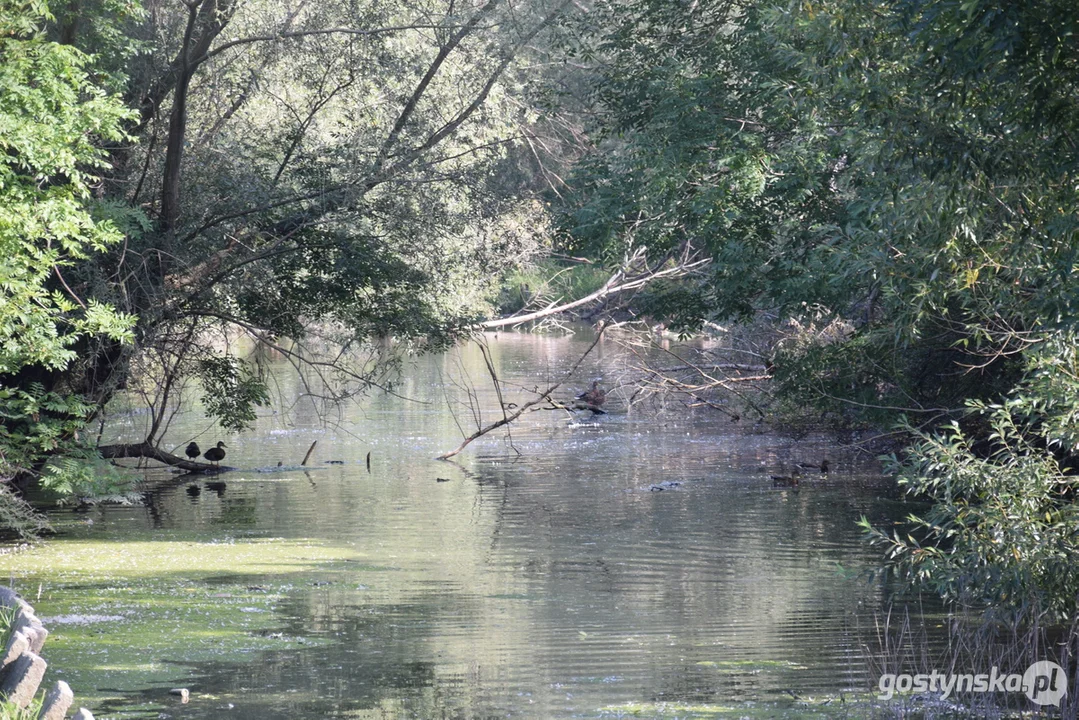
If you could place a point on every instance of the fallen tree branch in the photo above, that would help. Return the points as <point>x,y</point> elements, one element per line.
<point>667,380</point>
<point>740,367</point>
<point>613,286</point>
<point>545,395</point>
<point>150,452</point>
<point>309,451</point>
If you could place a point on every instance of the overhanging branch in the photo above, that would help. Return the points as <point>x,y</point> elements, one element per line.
<point>616,284</point>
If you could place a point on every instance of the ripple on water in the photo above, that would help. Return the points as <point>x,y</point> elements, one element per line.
<point>553,583</point>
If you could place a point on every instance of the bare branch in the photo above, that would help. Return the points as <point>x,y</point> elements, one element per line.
<point>443,132</point>
<point>543,396</point>
<point>425,81</point>
<point>322,31</point>
<point>611,287</point>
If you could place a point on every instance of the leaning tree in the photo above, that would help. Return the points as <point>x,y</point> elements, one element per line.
<point>318,177</point>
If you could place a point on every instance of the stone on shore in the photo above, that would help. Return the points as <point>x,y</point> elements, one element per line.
<point>23,677</point>
<point>57,701</point>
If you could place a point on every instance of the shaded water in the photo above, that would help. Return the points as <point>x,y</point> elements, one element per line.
<point>591,567</point>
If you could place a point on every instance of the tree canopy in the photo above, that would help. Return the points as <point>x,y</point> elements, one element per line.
<point>335,181</point>
<point>906,168</point>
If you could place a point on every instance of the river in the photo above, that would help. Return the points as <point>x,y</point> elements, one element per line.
<point>638,563</point>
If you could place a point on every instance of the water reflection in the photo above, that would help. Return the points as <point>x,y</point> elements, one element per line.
<point>581,567</point>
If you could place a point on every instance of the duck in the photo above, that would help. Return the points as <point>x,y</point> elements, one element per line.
<point>216,454</point>
<point>787,480</point>
<point>192,450</point>
<point>592,399</point>
<point>824,466</point>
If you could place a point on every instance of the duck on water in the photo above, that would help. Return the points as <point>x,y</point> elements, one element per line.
<point>787,480</point>
<point>592,399</point>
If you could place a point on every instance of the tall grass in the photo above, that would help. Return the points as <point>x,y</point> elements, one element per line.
<point>900,642</point>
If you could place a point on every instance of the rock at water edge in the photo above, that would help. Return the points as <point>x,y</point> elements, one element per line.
<point>56,702</point>
<point>23,678</point>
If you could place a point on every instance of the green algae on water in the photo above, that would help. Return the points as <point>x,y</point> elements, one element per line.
<point>125,616</point>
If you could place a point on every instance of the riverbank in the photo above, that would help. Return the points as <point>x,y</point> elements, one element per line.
<point>22,667</point>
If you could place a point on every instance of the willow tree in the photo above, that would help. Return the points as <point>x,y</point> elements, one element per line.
<point>316,176</point>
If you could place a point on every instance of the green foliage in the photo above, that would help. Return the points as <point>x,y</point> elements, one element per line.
<point>546,281</point>
<point>1001,531</point>
<point>52,118</point>
<point>704,145</point>
<point>682,305</point>
<point>909,168</point>
<point>84,477</point>
<point>38,423</point>
<point>858,378</point>
<point>11,711</point>
<point>232,391</point>
<point>53,121</point>
<point>104,29</point>
<point>7,617</point>
<point>17,517</point>
<point>854,156</point>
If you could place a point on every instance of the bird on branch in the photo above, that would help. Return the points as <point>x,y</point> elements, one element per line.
<point>216,454</point>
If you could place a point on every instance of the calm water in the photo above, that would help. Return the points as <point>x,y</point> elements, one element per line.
<point>547,576</point>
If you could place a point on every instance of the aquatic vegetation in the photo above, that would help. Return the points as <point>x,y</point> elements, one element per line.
<point>7,616</point>
<point>146,612</point>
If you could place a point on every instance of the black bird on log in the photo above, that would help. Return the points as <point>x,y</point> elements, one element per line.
<point>216,454</point>
<point>192,450</point>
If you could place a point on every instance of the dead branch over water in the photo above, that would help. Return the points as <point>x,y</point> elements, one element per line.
<point>544,395</point>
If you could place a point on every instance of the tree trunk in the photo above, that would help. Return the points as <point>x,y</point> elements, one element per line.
<point>146,450</point>
<point>174,150</point>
